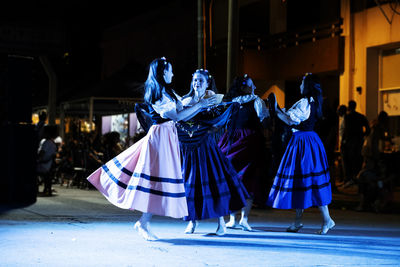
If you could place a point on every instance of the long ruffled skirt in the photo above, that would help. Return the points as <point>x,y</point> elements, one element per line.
<point>247,154</point>
<point>147,176</point>
<point>302,179</point>
<point>212,185</point>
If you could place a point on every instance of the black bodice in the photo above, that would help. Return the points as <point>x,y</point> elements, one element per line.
<point>308,124</point>
<point>247,117</point>
<point>155,117</point>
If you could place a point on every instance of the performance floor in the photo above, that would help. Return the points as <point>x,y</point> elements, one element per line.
<point>80,228</point>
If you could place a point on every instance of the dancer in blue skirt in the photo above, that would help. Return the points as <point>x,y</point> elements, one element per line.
<point>212,187</point>
<point>302,179</point>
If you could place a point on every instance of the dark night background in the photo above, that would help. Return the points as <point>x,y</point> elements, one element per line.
<point>71,35</point>
<point>77,57</point>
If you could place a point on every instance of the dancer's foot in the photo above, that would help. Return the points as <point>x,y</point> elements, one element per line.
<point>245,225</point>
<point>221,230</point>
<point>294,228</point>
<point>191,227</point>
<point>326,227</point>
<point>232,222</point>
<point>144,232</point>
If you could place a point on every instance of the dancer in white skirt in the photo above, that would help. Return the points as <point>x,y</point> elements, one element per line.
<point>147,176</point>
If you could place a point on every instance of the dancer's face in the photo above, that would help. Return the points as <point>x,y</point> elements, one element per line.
<point>168,74</point>
<point>250,86</point>
<point>199,83</point>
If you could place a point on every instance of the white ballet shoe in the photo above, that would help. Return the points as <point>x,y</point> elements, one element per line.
<point>231,223</point>
<point>144,232</point>
<point>191,227</point>
<point>221,230</point>
<point>245,225</point>
<point>326,227</point>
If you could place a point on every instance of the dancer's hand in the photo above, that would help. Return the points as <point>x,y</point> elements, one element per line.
<point>212,100</point>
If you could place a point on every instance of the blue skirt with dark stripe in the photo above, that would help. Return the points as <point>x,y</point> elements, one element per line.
<point>212,185</point>
<point>302,179</point>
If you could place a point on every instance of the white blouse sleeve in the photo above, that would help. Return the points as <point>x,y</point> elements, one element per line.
<point>209,93</point>
<point>166,108</point>
<point>261,109</point>
<point>300,111</point>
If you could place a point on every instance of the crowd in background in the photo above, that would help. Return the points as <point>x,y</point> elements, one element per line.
<point>358,151</point>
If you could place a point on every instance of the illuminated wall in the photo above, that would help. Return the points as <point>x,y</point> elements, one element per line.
<point>367,34</point>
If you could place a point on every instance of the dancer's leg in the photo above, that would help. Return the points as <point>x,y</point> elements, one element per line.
<point>299,217</point>
<point>297,225</point>
<point>328,223</point>
<point>143,227</point>
<point>245,215</point>
<point>221,230</point>
<point>232,220</point>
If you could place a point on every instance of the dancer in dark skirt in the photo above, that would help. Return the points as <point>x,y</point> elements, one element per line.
<point>211,183</point>
<point>245,147</point>
<point>303,177</point>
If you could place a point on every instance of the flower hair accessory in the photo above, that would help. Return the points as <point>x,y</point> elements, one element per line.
<point>245,76</point>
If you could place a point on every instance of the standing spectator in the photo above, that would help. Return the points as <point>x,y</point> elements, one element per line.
<point>341,112</point>
<point>356,127</point>
<point>46,155</point>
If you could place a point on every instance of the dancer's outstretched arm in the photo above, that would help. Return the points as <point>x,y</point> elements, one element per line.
<point>299,112</point>
<point>190,112</point>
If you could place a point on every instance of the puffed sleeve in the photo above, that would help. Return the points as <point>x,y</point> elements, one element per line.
<point>300,111</point>
<point>166,107</point>
<point>209,93</point>
<point>261,109</point>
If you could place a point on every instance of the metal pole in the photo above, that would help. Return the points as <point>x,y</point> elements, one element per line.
<point>232,53</point>
<point>91,113</point>
<point>200,36</point>
<point>52,89</point>
<point>62,122</point>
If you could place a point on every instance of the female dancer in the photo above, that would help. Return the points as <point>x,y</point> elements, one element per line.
<point>211,184</point>
<point>202,86</point>
<point>147,176</point>
<point>245,147</point>
<point>302,179</point>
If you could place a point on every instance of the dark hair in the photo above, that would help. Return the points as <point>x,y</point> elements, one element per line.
<point>238,87</point>
<point>312,88</point>
<point>42,115</point>
<point>50,131</point>
<point>342,110</point>
<point>155,82</point>
<point>352,105</point>
<point>210,82</point>
<point>383,116</point>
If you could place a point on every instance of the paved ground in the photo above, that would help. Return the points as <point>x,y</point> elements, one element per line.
<point>80,228</point>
